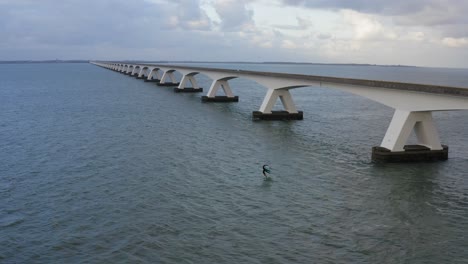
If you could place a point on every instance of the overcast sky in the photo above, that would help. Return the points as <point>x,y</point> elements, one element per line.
<point>407,32</point>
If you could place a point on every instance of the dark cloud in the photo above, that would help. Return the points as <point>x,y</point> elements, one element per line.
<point>366,6</point>
<point>407,12</point>
<point>74,22</point>
<point>37,29</point>
<point>119,29</point>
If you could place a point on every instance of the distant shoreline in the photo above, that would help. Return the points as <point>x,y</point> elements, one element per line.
<point>214,62</point>
<point>43,61</point>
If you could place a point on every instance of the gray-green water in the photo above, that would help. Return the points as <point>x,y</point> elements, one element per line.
<point>98,167</point>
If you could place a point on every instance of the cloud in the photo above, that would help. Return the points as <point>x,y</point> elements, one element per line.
<point>441,14</point>
<point>421,32</point>
<point>397,25</point>
<point>413,12</point>
<point>455,42</point>
<point>74,28</point>
<point>288,44</point>
<point>366,27</point>
<point>323,36</point>
<point>302,24</point>
<point>73,22</point>
<point>234,14</point>
<point>366,6</point>
<point>187,15</point>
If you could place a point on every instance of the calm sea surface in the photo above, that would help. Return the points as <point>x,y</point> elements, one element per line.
<point>98,167</point>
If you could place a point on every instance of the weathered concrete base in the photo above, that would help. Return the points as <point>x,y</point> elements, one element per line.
<point>220,99</point>
<point>152,80</point>
<point>188,90</point>
<point>167,84</point>
<point>412,153</point>
<point>277,115</point>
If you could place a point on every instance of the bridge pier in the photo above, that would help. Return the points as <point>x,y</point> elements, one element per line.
<point>153,73</point>
<point>143,73</point>
<point>168,74</point>
<point>135,71</point>
<point>183,82</point>
<point>393,148</point>
<point>211,96</point>
<point>290,112</point>
<point>129,70</point>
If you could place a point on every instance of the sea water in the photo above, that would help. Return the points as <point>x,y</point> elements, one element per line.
<point>98,167</point>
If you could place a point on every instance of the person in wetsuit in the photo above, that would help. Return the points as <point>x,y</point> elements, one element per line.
<point>266,170</point>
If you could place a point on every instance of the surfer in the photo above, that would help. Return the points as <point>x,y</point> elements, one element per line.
<point>266,170</point>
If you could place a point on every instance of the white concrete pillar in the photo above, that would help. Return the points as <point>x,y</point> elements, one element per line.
<point>140,72</point>
<point>135,70</point>
<point>168,74</point>
<point>191,79</point>
<point>143,72</point>
<point>272,96</point>
<point>154,72</point>
<point>403,123</point>
<point>220,84</point>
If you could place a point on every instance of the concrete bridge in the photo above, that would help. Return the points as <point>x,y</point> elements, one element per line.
<point>413,103</point>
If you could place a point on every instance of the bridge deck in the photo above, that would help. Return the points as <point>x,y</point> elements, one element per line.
<point>426,88</point>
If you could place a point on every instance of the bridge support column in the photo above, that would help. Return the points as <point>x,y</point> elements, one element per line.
<point>183,82</point>
<point>142,73</point>
<point>168,74</point>
<point>211,96</point>
<point>153,73</point>
<point>290,112</point>
<point>135,72</point>
<point>393,148</point>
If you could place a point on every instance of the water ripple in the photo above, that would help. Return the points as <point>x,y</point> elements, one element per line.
<point>113,170</point>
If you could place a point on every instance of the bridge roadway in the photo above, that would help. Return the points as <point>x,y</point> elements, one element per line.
<point>413,103</point>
